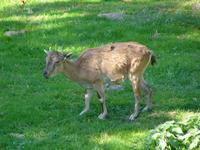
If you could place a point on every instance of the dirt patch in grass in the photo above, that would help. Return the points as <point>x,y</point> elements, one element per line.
<point>13,33</point>
<point>112,16</point>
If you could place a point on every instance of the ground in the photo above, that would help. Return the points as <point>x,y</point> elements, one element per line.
<point>36,113</point>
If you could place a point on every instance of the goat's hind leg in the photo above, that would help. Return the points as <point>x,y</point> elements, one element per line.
<point>137,92</point>
<point>88,96</point>
<point>148,93</point>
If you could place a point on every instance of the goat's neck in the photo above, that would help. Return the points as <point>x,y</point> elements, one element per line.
<point>70,69</point>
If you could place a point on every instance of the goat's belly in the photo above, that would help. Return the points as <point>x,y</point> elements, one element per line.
<point>114,79</point>
<point>114,71</point>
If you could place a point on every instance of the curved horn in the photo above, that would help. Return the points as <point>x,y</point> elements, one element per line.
<point>45,51</point>
<point>69,54</point>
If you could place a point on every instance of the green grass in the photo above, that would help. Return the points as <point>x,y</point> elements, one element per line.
<point>43,114</point>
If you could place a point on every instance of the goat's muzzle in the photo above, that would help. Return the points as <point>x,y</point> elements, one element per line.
<point>45,74</point>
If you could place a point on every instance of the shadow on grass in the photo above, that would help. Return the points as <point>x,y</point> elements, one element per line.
<point>86,28</point>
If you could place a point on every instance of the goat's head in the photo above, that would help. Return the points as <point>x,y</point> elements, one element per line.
<point>54,63</point>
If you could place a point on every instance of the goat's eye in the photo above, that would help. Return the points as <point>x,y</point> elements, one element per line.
<point>57,62</point>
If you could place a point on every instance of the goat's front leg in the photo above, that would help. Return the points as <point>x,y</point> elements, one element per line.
<point>101,96</point>
<point>88,96</point>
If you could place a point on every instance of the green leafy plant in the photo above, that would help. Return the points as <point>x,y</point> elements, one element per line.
<point>176,135</point>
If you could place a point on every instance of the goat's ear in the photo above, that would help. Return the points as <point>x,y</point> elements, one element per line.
<point>46,52</point>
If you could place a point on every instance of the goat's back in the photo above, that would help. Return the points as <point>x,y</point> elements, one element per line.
<point>114,60</point>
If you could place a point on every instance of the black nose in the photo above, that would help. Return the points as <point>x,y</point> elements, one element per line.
<point>45,74</point>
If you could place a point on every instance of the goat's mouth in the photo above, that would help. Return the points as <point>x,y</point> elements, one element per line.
<point>46,77</point>
<point>45,74</point>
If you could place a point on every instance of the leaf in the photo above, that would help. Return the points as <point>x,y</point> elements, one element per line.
<point>180,137</point>
<point>177,130</point>
<point>155,136</point>
<point>174,143</point>
<point>162,144</point>
<point>168,134</point>
<point>195,143</point>
<point>176,135</point>
<point>186,138</point>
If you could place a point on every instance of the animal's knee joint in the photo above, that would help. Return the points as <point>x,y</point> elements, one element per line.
<point>101,100</point>
<point>86,96</point>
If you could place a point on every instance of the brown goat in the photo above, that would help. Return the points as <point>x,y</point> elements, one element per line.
<point>113,62</point>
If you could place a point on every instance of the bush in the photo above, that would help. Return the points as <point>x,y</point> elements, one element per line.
<point>176,135</point>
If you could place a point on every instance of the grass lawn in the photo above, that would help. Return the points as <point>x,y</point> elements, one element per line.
<point>36,113</point>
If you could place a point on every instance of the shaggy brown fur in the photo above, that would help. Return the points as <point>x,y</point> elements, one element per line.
<point>110,63</point>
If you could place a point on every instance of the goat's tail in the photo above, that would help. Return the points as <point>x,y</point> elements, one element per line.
<point>153,60</point>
